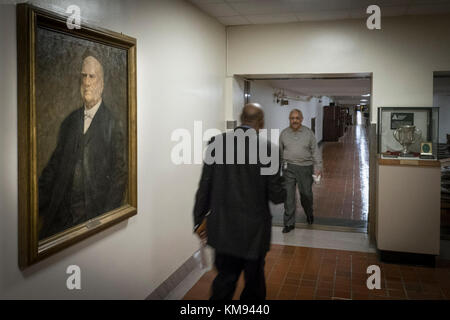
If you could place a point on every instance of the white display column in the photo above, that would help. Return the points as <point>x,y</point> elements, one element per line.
<point>408,210</point>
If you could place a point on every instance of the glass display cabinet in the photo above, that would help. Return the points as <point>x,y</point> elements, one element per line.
<point>408,132</point>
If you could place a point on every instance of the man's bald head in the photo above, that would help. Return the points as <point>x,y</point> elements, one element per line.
<point>253,115</point>
<point>296,110</point>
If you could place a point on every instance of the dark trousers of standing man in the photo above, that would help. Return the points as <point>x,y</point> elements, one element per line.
<point>229,269</point>
<point>302,177</point>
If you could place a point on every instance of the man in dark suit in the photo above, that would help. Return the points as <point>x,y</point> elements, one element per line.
<point>86,175</point>
<point>234,197</point>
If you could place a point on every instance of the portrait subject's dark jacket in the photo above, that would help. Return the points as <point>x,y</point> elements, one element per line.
<point>236,197</point>
<point>102,157</point>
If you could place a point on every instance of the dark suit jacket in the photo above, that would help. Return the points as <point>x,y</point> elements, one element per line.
<point>237,195</point>
<point>104,169</point>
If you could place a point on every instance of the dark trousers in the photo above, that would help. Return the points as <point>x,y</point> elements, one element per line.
<point>229,269</point>
<point>302,177</point>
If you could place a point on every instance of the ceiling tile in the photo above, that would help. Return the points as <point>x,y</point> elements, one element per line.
<point>322,5</point>
<point>310,10</point>
<point>428,9</point>
<point>271,18</point>
<point>358,13</point>
<point>385,11</point>
<point>323,15</point>
<point>233,20</point>
<point>380,3</point>
<point>202,2</point>
<point>393,11</point>
<point>219,9</point>
<point>429,1</point>
<point>350,88</point>
<point>256,7</point>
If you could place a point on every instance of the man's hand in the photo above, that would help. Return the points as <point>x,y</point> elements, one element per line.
<point>201,231</point>
<point>318,173</point>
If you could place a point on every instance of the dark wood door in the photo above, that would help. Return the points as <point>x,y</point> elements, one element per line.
<point>330,123</point>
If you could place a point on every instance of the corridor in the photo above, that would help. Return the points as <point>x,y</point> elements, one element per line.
<point>342,197</point>
<point>344,193</point>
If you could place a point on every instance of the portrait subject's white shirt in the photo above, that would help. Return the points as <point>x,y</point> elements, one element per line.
<point>89,115</point>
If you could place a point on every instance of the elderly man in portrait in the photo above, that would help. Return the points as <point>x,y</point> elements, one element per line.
<point>86,175</point>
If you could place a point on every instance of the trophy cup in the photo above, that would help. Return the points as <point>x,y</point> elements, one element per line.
<point>406,136</point>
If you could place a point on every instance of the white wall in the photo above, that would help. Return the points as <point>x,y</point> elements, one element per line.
<point>402,55</point>
<point>238,86</point>
<point>277,117</point>
<point>180,78</point>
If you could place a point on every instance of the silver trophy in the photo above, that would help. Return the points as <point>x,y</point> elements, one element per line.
<point>406,136</point>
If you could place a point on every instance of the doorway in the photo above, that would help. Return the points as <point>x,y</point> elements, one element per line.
<point>441,99</point>
<point>341,200</point>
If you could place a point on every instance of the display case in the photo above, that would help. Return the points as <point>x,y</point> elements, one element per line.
<point>408,132</point>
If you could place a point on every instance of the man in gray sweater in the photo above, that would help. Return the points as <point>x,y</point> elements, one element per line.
<point>300,159</point>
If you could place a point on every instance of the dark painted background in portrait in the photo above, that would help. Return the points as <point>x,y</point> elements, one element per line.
<point>58,70</point>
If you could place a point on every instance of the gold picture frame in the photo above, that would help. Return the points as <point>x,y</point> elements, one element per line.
<point>52,93</point>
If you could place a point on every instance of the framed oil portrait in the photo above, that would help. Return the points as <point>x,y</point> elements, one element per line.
<point>77,131</point>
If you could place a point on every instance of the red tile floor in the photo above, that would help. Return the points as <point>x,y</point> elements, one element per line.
<point>300,273</point>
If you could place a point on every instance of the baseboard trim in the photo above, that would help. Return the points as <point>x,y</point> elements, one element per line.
<point>196,261</point>
<point>419,259</point>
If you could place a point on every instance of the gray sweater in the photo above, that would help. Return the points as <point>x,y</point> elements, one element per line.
<point>300,147</point>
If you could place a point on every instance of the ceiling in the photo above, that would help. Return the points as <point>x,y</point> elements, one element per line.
<point>244,12</point>
<point>343,90</point>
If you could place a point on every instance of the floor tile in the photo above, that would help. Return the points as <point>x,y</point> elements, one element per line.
<point>314,284</point>
<point>311,264</point>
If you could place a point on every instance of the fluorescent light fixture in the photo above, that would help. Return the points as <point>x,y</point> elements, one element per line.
<point>366,95</point>
<point>363,100</point>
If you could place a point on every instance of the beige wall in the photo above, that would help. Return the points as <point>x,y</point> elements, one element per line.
<point>402,55</point>
<point>409,209</point>
<point>180,77</point>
